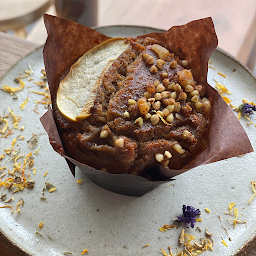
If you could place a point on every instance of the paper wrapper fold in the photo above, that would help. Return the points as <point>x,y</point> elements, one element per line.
<point>195,42</point>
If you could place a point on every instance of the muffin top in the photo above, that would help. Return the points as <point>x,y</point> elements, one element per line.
<point>148,110</point>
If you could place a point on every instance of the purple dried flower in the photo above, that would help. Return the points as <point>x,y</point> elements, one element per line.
<point>247,109</point>
<point>189,214</point>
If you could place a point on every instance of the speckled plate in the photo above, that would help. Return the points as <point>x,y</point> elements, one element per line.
<point>87,216</point>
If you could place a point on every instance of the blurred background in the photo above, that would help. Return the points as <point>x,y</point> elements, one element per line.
<point>235,20</point>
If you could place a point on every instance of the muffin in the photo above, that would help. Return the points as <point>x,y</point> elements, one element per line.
<point>147,108</point>
<point>146,115</point>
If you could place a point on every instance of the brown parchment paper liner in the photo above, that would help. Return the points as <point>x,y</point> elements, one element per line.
<point>195,42</point>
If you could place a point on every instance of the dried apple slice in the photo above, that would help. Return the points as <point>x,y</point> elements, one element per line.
<point>78,90</point>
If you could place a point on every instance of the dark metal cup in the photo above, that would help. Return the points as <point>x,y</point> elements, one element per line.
<point>84,12</point>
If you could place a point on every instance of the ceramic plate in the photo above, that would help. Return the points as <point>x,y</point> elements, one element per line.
<point>86,216</point>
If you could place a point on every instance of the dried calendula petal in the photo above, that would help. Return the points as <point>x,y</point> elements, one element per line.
<point>207,233</point>
<point>12,90</point>
<point>236,212</point>
<point>253,183</point>
<point>34,170</point>
<point>227,100</point>
<point>20,203</point>
<point>224,243</point>
<point>52,189</point>
<point>40,225</point>
<point>164,252</point>
<point>84,251</point>
<point>7,206</point>
<point>207,210</point>
<point>24,103</point>
<point>36,152</point>
<point>221,74</point>
<point>13,142</point>
<point>230,206</point>
<point>182,236</point>
<point>221,88</point>
<point>15,118</point>
<point>162,229</point>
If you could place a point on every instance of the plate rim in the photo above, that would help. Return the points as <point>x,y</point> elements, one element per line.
<point>17,249</point>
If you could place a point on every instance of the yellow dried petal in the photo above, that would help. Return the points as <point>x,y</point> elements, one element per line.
<point>40,225</point>
<point>190,237</point>
<point>224,243</point>
<point>207,210</point>
<point>4,128</point>
<point>13,142</point>
<point>164,252</point>
<point>239,115</point>
<point>24,103</point>
<point>12,90</point>
<point>84,251</point>
<point>162,229</point>
<point>52,190</point>
<point>40,93</point>
<point>15,118</point>
<point>221,88</point>
<point>221,74</point>
<point>46,174</point>
<point>34,170</point>
<point>26,159</point>
<point>146,245</point>
<point>251,122</point>
<point>254,191</point>
<point>230,206</point>
<point>227,100</point>
<point>7,206</point>
<point>16,125</point>
<point>79,181</point>
<point>20,203</point>
<point>236,212</point>
<point>36,152</point>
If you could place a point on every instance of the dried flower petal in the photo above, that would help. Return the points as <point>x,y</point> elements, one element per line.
<point>24,103</point>
<point>40,225</point>
<point>84,251</point>
<point>224,243</point>
<point>189,214</point>
<point>20,202</point>
<point>247,109</point>
<point>230,206</point>
<point>254,191</point>
<point>52,190</point>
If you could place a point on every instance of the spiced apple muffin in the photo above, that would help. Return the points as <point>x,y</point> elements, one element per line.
<point>147,109</point>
